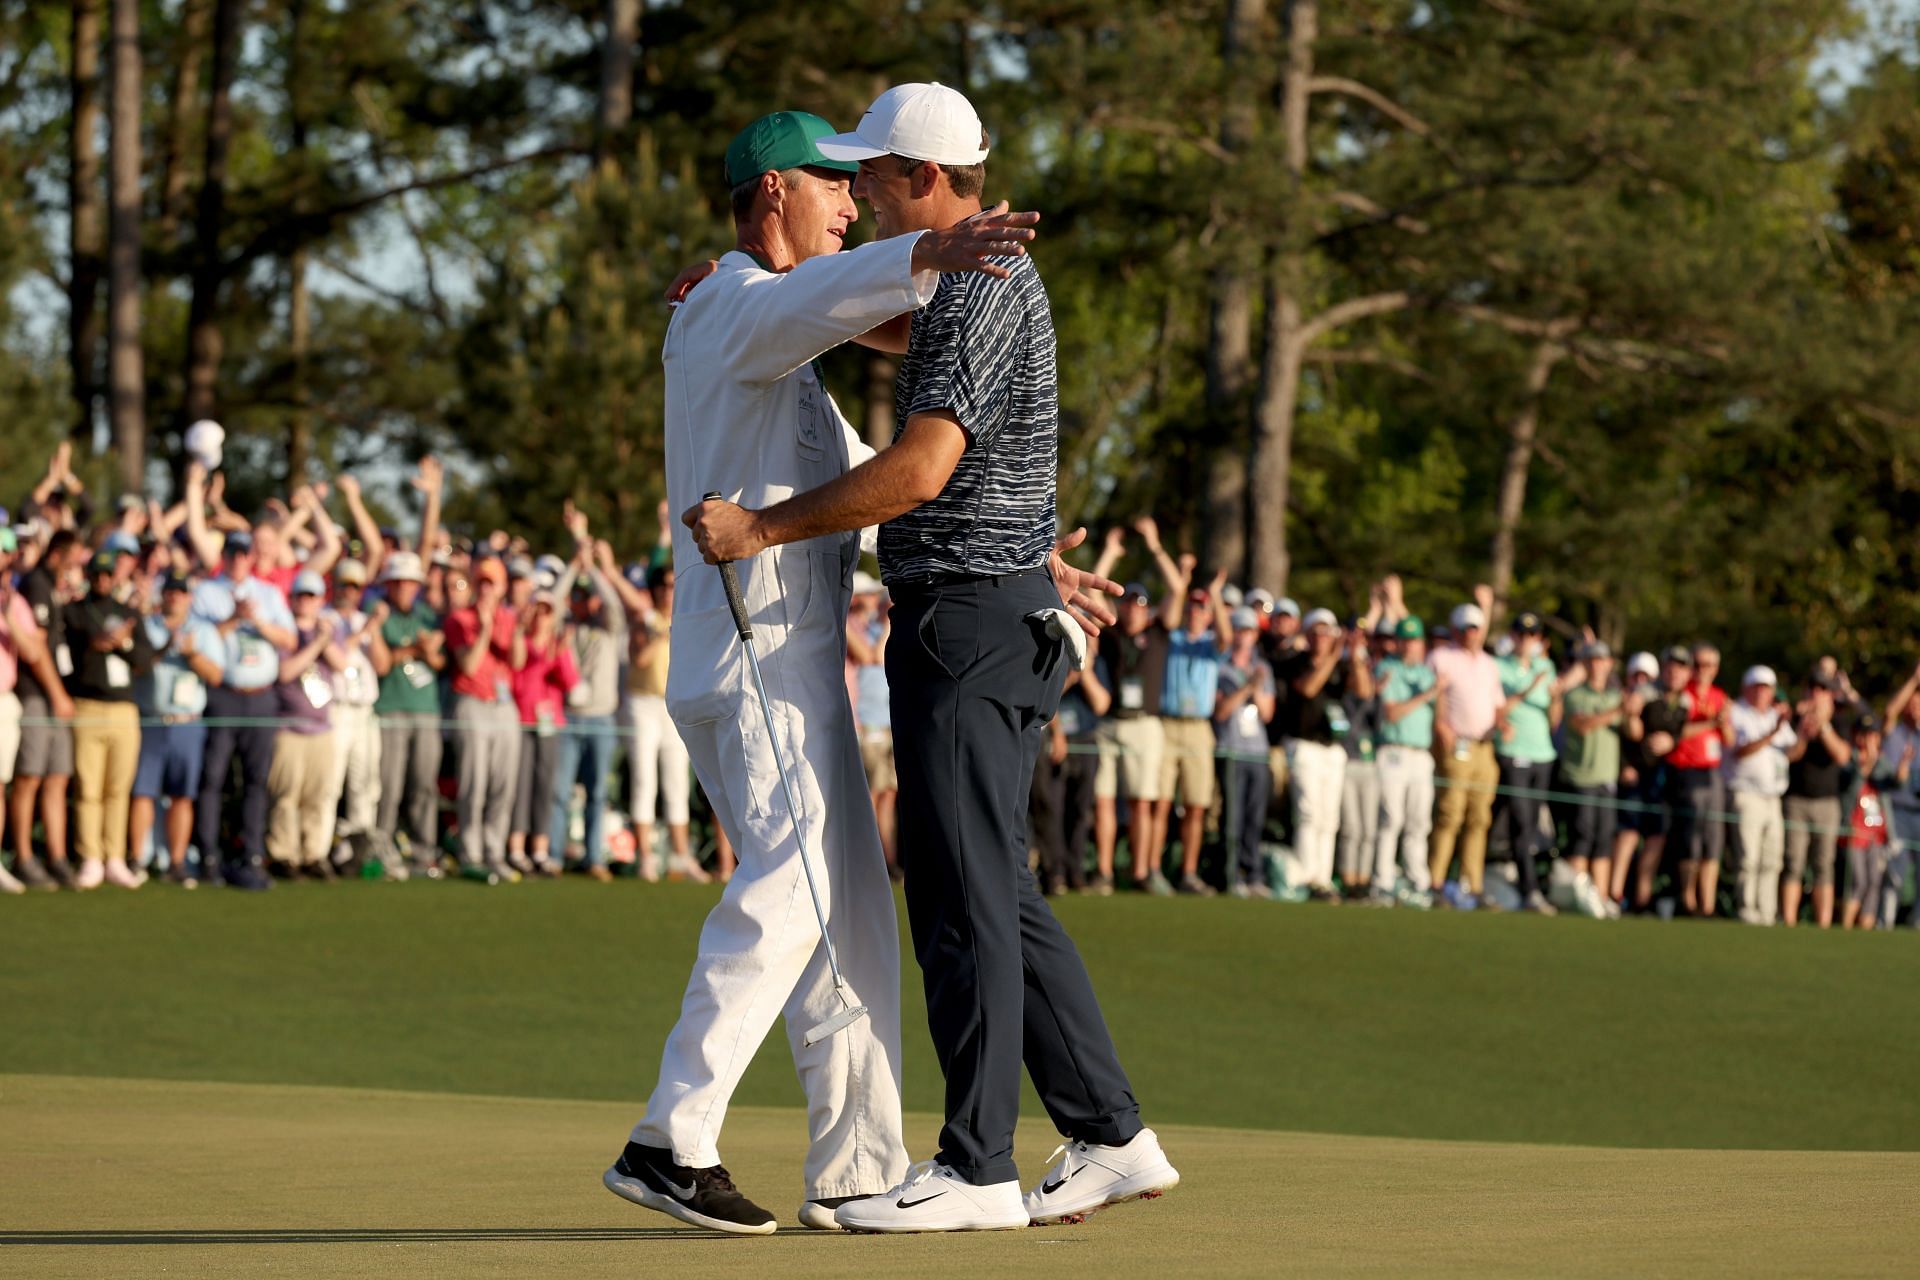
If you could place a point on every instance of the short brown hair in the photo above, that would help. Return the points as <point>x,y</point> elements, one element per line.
<point>967,180</point>
<point>741,196</point>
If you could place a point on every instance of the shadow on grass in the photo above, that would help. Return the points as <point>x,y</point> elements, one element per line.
<point>371,1235</point>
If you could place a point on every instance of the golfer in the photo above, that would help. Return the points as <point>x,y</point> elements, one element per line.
<point>746,415</point>
<point>975,670</point>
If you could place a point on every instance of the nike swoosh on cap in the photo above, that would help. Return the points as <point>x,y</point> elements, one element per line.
<point>908,1204</point>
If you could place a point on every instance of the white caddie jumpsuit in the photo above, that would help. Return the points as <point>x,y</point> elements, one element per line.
<point>747,416</point>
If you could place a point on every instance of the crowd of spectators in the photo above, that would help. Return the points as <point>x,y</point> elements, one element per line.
<point>311,701</point>
<point>306,700</point>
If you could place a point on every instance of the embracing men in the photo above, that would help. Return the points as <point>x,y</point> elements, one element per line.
<point>965,498</point>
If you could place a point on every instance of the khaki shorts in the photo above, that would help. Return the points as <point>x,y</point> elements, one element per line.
<point>1186,770</point>
<point>876,757</point>
<point>1130,753</point>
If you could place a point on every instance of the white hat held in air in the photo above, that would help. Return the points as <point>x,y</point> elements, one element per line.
<point>204,441</point>
<point>918,121</point>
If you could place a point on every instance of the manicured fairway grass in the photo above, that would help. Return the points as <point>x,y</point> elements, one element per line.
<point>117,1178</point>
<point>1238,1014</point>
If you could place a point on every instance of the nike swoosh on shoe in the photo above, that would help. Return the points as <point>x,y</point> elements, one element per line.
<point>908,1204</point>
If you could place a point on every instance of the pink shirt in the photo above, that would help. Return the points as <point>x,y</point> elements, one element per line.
<point>1471,680</point>
<point>17,622</point>
<point>544,682</point>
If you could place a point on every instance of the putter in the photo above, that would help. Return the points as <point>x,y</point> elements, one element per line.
<point>850,1012</point>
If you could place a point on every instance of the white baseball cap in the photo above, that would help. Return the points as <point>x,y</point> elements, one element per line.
<point>918,121</point>
<point>1287,605</point>
<point>1468,615</point>
<point>1759,675</point>
<point>1319,618</point>
<point>1645,664</point>
<point>403,566</point>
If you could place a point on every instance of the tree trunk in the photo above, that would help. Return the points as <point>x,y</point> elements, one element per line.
<point>1286,340</point>
<point>1522,430</point>
<point>880,422</point>
<point>1230,312</point>
<point>126,370</point>
<point>1273,432</point>
<point>85,231</point>
<point>174,168</point>
<point>616,76</point>
<point>204,346</point>
<point>299,344</point>
<point>299,304</point>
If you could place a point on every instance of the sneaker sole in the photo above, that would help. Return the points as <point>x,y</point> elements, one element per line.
<point>932,1230</point>
<point>816,1217</point>
<point>639,1193</point>
<point>1157,1185</point>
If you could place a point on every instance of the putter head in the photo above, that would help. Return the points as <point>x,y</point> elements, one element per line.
<point>835,1025</point>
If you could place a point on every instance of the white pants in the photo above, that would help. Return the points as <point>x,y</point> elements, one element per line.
<point>1406,817</point>
<point>1763,849</point>
<point>1318,773</point>
<point>356,773</point>
<point>9,734</point>
<point>761,954</point>
<point>658,758</point>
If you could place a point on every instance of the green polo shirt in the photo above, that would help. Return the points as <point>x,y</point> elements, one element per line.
<point>1591,759</point>
<point>413,687</point>
<point>1397,682</point>
<point>1530,723</point>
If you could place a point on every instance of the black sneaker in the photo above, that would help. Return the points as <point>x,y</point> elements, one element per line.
<point>701,1197</point>
<point>31,874</point>
<point>62,872</point>
<point>244,875</point>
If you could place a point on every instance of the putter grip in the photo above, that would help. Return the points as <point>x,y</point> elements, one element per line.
<point>730,579</point>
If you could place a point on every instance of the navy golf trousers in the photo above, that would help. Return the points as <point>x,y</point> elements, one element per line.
<point>973,685</point>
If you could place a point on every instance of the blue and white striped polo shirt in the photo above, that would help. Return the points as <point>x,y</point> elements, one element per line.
<point>983,350</point>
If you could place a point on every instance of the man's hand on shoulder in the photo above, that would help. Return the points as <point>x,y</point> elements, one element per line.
<point>970,244</point>
<point>683,283</point>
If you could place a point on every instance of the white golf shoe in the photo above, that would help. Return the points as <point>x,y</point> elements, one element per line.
<point>935,1198</point>
<point>1089,1177</point>
<point>818,1215</point>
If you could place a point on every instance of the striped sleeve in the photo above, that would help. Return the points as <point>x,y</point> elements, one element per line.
<point>970,350</point>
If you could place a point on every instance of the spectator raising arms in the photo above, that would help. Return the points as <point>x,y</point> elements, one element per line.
<point>1241,714</point>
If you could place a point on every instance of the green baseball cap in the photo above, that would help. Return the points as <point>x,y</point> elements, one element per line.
<point>9,541</point>
<point>1411,628</point>
<point>780,140</point>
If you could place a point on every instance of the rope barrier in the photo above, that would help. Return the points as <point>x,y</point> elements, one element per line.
<point>616,725</point>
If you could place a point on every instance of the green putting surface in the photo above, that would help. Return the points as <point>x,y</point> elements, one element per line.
<point>1238,1014</point>
<point>143,1177</point>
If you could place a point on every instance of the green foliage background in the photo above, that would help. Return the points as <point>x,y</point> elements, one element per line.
<point>1729,445</point>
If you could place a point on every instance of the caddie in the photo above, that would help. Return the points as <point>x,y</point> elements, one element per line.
<point>747,415</point>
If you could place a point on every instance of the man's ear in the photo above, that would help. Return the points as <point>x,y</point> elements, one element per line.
<point>926,176</point>
<point>774,188</point>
